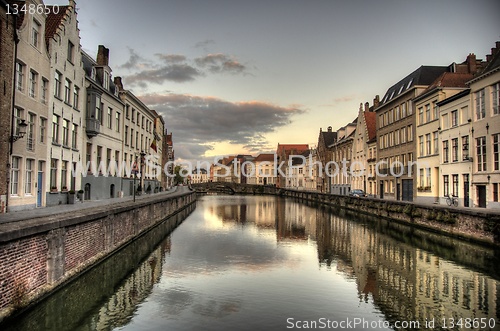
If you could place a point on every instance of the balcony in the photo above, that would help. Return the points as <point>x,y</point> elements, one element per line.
<point>93,127</point>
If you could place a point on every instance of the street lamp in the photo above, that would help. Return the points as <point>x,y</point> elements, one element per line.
<point>22,131</point>
<point>143,154</point>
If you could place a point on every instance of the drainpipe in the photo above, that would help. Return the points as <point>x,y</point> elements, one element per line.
<point>14,82</point>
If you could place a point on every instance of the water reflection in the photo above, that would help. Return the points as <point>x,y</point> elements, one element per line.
<point>252,262</point>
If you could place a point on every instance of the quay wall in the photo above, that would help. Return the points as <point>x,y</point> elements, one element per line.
<point>476,225</point>
<point>38,256</point>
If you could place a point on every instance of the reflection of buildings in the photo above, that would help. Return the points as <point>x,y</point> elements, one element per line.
<point>405,282</point>
<point>119,308</point>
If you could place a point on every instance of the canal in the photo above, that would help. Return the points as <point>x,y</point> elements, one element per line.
<point>269,263</point>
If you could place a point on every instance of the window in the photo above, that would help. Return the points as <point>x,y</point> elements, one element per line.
<point>480,105</point>
<point>396,137</point>
<point>421,144</point>
<point>43,129</point>
<point>427,112</point>
<point>435,110</point>
<point>64,175</point>
<point>105,82</point>
<point>28,183</point>
<point>74,136</point>
<point>126,135</point>
<point>428,177</point>
<point>76,96</point>
<point>20,76</point>
<point>496,151</point>
<point>55,129</point>
<point>18,117</point>
<point>454,118</point>
<point>88,156</point>
<point>71,51</point>
<point>428,144</point>
<point>396,111</point>
<point>403,109</point>
<point>132,138</point>
<point>99,155</point>
<point>65,133</point>
<point>403,135</point>
<point>445,151</point>
<point>420,115</point>
<point>33,82</point>
<point>481,153</point>
<point>110,117</point>
<point>465,148</point>
<point>117,121</point>
<point>67,91</point>
<point>14,176</point>
<point>35,34</point>
<point>444,121</point>
<point>30,132</point>
<point>496,99</point>
<point>435,142</point>
<point>133,115</point>
<point>446,185</point>
<point>57,85</point>
<point>53,173</point>
<point>410,132</point>
<point>455,185</point>
<point>137,140</point>
<point>45,86</point>
<point>108,158</point>
<point>495,192</point>
<point>454,149</point>
<point>421,178</point>
<point>127,112</point>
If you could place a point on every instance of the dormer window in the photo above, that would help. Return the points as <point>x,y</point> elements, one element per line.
<point>409,83</point>
<point>105,81</point>
<point>93,73</point>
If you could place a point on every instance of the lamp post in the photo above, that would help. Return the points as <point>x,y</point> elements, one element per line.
<point>134,170</point>
<point>143,154</point>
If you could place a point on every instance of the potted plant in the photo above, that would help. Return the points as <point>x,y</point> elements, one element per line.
<point>64,188</point>
<point>139,190</point>
<point>71,197</point>
<point>80,195</point>
<point>53,189</point>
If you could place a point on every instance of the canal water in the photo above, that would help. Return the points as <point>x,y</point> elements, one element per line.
<point>269,263</point>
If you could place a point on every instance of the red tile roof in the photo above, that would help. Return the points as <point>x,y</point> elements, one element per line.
<point>53,21</point>
<point>264,157</point>
<point>450,79</point>
<point>292,147</point>
<point>371,124</point>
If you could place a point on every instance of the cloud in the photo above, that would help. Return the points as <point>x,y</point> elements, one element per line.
<point>171,58</point>
<point>204,44</point>
<point>135,61</point>
<point>220,63</point>
<point>200,122</point>
<point>178,73</point>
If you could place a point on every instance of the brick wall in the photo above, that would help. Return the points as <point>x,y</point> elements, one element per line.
<point>49,251</point>
<point>6,82</point>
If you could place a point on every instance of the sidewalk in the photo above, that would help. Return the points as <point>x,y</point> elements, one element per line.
<point>22,215</point>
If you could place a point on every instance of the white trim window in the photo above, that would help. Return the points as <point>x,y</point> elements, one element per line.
<point>28,184</point>
<point>480,105</point>
<point>496,99</point>
<point>14,175</point>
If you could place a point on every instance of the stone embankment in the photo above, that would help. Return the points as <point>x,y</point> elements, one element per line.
<point>38,255</point>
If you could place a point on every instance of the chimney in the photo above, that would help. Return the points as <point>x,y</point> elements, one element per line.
<point>367,107</point>
<point>488,58</point>
<point>118,83</point>
<point>360,106</point>
<point>376,101</point>
<point>471,63</point>
<point>329,129</point>
<point>102,56</point>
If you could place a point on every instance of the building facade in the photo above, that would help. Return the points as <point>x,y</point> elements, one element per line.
<point>339,170</point>
<point>324,155</point>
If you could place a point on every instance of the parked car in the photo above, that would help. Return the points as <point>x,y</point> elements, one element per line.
<point>357,193</point>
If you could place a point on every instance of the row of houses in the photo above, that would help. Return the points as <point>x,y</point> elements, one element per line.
<point>63,114</point>
<point>434,134</point>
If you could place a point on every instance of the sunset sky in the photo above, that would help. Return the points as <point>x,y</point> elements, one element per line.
<point>242,76</point>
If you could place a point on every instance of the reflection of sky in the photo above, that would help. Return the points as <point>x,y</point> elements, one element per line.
<point>229,276</point>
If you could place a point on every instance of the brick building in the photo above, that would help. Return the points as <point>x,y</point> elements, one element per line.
<point>7,55</point>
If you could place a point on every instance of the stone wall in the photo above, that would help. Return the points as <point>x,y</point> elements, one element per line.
<point>39,255</point>
<point>478,225</point>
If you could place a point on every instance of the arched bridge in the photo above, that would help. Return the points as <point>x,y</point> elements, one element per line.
<point>232,188</point>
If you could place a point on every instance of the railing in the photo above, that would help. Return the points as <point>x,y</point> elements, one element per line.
<point>93,127</point>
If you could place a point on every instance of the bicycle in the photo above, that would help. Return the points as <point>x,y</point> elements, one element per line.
<point>452,200</point>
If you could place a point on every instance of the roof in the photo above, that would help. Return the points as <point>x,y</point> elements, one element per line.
<point>53,21</point>
<point>371,124</point>
<point>329,137</point>
<point>287,148</point>
<point>447,79</point>
<point>264,158</point>
<point>424,75</point>
<point>297,160</point>
<point>493,65</point>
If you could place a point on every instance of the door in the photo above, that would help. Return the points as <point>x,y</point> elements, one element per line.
<point>481,195</point>
<point>381,189</point>
<point>39,189</point>
<point>407,189</point>
<point>398,191</point>
<point>87,192</point>
<point>466,190</point>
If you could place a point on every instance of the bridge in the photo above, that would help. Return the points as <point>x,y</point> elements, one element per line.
<point>232,188</point>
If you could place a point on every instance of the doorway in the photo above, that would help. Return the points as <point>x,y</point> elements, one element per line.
<point>481,196</point>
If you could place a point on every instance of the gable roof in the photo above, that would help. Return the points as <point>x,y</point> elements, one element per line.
<point>264,157</point>
<point>329,137</point>
<point>371,125</point>
<point>53,21</point>
<point>287,148</point>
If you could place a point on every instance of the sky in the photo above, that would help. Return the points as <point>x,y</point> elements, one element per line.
<point>239,77</point>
